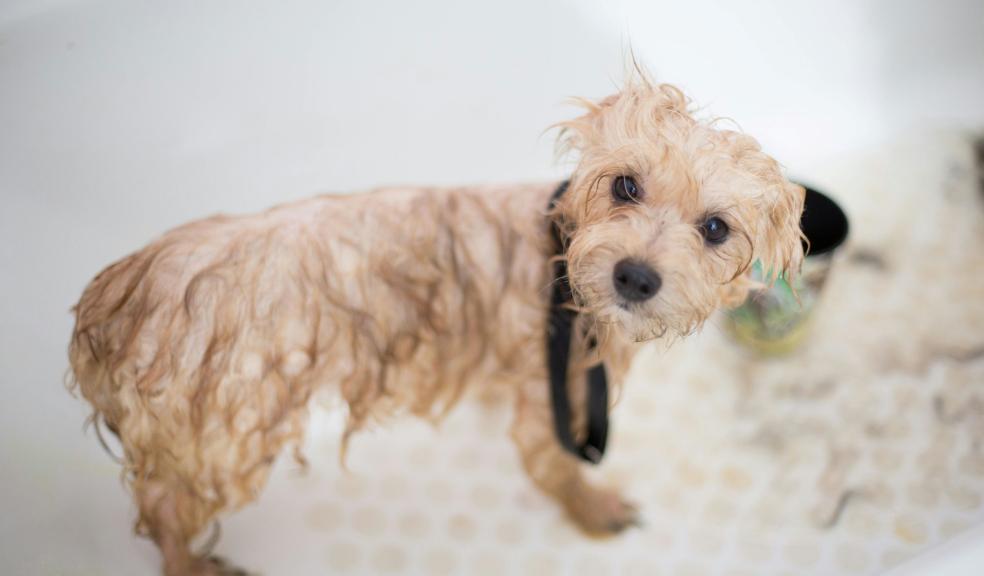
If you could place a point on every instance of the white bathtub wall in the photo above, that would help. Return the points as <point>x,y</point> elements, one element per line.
<point>120,119</point>
<point>815,80</point>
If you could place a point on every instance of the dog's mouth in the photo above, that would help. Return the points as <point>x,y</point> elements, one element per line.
<point>638,322</point>
<point>634,308</point>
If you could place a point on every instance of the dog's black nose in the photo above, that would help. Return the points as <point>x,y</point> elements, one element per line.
<point>636,282</point>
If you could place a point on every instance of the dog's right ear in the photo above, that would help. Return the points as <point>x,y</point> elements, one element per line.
<point>781,252</point>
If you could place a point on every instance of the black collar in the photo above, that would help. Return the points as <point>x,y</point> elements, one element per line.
<point>559,332</point>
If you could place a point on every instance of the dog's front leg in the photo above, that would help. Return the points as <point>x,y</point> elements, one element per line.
<point>598,511</point>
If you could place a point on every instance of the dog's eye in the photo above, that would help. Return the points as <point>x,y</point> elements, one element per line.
<point>624,189</point>
<point>714,230</point>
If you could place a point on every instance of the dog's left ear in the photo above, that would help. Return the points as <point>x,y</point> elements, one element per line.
<point>781,249</point>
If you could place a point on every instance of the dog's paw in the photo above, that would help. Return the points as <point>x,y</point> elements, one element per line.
<point>218,566</point>
<point>602,512</point>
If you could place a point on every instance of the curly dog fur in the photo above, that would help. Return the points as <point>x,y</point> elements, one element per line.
<point>203,349</point>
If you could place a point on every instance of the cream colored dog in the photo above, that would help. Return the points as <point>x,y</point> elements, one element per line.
<point>202,350</point>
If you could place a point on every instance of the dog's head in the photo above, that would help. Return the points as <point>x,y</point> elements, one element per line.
<point>665,214</point>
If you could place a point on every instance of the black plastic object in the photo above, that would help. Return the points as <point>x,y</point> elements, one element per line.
<point>823,223</point>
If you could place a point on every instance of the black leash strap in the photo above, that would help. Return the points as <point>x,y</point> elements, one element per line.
<point>559,333</point>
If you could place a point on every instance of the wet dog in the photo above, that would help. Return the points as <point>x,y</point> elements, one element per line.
<point>203,349</point>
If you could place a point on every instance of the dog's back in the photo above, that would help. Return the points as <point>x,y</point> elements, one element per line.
<point>202,350</point>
